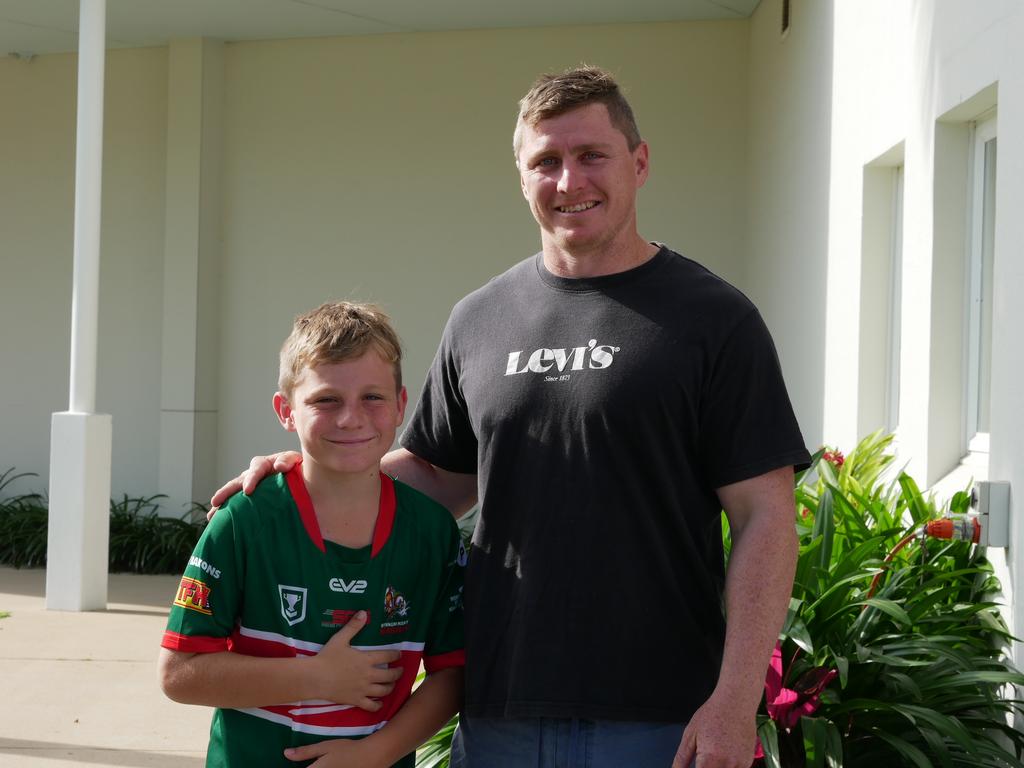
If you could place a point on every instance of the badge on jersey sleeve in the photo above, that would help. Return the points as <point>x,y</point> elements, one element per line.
<point>193,595</point>
<point>293,603</point>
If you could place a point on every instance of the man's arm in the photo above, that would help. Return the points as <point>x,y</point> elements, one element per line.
<point>430,706</point>
<point>339,673</point>
<point>453,490</point>
<point>758,586</point>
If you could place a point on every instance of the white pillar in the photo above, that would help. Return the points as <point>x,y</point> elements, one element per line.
<point>79,526</point>
<point>192,254</point>
<point>79,498</point>
<point>88,191</point>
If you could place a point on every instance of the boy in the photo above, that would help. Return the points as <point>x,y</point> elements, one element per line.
<point>282,580</point>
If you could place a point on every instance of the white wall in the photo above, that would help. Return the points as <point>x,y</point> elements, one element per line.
<point>916,73</point>
<point>790,91</point>
<point>37,136</point>
<point>388,175</point>
<point>371,167</point>
<point>869,76</point>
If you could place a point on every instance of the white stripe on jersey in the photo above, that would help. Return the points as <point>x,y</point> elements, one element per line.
<point>317,730</point>
<point>317,708</point>
<point>274,637</point>
<point>303,645</point>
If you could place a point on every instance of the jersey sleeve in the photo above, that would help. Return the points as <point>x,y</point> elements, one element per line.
<point>441,430</point>
<point>208,598</point>
<point>747,424</point>
<point>444,644</point>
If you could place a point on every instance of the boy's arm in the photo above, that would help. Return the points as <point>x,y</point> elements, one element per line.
<point>430,707</point>
<point>339,673</point>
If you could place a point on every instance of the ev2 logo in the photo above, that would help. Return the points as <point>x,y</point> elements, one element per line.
<point>355,587</point>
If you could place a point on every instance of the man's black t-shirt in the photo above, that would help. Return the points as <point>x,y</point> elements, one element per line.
<point>601,414</point>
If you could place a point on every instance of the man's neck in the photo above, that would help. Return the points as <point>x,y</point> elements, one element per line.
<point>606,261</point>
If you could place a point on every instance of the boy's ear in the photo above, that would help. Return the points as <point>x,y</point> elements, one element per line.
<point>284,411</point>
<point>403,400</point>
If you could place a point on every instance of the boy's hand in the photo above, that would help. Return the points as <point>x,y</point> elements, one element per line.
<point>352,676</point>
<point>259,467</point>
<point>339,753</point>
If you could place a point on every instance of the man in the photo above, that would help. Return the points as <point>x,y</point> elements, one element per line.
<point>604,400</point>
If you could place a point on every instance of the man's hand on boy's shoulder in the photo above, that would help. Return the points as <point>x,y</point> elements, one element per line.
<point>352,676</point>
<point>259,467</point>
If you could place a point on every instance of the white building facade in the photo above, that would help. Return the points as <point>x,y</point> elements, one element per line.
<point>858,173</point>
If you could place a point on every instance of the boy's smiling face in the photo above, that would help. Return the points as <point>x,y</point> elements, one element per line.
<point>345,414</point>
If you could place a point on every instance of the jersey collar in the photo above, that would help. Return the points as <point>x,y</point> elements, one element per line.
<point>385,514</point>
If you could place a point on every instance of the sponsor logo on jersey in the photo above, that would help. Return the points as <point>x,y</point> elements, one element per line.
<point>204,566</point>
<point>193,595</point>
<point>337,617</point>
<point>396,613</point>
<point>592,356</point>
<point>293,603</point>
<point>395,604</point>
<point>455,601</point>
<point>355,587</point>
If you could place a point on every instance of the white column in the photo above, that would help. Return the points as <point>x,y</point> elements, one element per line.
<point>79,497</point>
<point>192,250</point>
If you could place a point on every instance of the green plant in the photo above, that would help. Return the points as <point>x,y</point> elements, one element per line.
<point>141,541</point>
<point>22,525</point>
<point>435,751</point>
<point>4,614</point>
<point>893,649</point>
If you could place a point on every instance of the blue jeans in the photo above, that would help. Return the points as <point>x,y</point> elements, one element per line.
<point>557,743</point>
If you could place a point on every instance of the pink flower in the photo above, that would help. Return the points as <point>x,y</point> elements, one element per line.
<point>787,705</point>
<point>835,458</point>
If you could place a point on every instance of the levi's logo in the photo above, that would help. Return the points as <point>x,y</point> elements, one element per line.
<point>593,355</point>
<point>355,587</point>
<point>193,595</point>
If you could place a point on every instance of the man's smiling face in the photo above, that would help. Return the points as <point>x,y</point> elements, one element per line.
<point>580,179</point>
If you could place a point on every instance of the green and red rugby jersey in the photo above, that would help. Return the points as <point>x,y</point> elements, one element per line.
<point>262,581</point>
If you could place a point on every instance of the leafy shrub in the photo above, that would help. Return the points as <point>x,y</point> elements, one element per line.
<point>22,525</point>
<point>893,651</point>
<point>141,541</point>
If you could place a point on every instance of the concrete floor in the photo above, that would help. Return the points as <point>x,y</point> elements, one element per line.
<point>79,689</point>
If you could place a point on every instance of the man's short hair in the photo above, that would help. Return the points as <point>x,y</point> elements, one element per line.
<point>554,95</point>
<point>333,333</point>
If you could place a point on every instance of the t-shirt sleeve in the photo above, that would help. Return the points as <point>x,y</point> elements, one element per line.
<point>208,598</point>
<point>747,424</point>
<point>444,644</point>
<point>440,430</point>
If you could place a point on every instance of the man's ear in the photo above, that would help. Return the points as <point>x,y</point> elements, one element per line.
<point>283,409</point>
<point>642,158</point>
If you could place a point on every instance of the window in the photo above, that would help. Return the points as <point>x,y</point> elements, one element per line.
<point>980,260</point>
<point>881,299</point>
<point>895,319</point>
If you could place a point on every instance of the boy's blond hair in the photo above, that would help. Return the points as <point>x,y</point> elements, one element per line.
<point>335,332</point>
